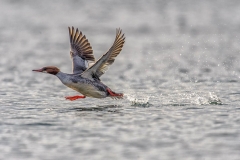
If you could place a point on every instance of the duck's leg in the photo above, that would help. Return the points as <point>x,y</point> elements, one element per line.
<point>115,95</point>
<point>73,98</point>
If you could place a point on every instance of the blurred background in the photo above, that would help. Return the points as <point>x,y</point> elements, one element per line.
<point>179,69</point>
<point>199,34</point>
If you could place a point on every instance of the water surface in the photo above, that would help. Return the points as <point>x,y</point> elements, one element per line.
<point>179,70</point>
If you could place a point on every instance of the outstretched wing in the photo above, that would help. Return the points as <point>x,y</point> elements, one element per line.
<point>81,51</point>
<point>100,67</point>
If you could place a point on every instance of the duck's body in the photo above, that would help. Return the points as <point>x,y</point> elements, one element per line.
<point>85,86</point>
<point>86,80</point>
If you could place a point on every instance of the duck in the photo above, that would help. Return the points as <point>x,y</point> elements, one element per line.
<point>86,72</point>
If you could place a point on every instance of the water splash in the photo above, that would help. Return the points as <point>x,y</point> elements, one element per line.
<point>189,98</point>
<point>212,98</point>
<point>138,100</point>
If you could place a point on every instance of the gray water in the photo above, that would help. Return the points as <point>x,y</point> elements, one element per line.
<point>179,71</point>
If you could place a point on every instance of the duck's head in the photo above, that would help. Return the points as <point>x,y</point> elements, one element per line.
<point>49,69</point>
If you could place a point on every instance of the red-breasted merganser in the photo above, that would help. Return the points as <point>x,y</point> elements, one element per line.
<point>86,78</point>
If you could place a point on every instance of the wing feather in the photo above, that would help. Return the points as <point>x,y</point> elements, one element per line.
<point>100,67</point>
<point>81,50</point>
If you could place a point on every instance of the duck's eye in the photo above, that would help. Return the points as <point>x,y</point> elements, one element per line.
<point>44,69</point>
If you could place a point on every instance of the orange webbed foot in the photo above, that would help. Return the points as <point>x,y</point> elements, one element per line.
<point>73,98</point>
<point>115,95</point>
